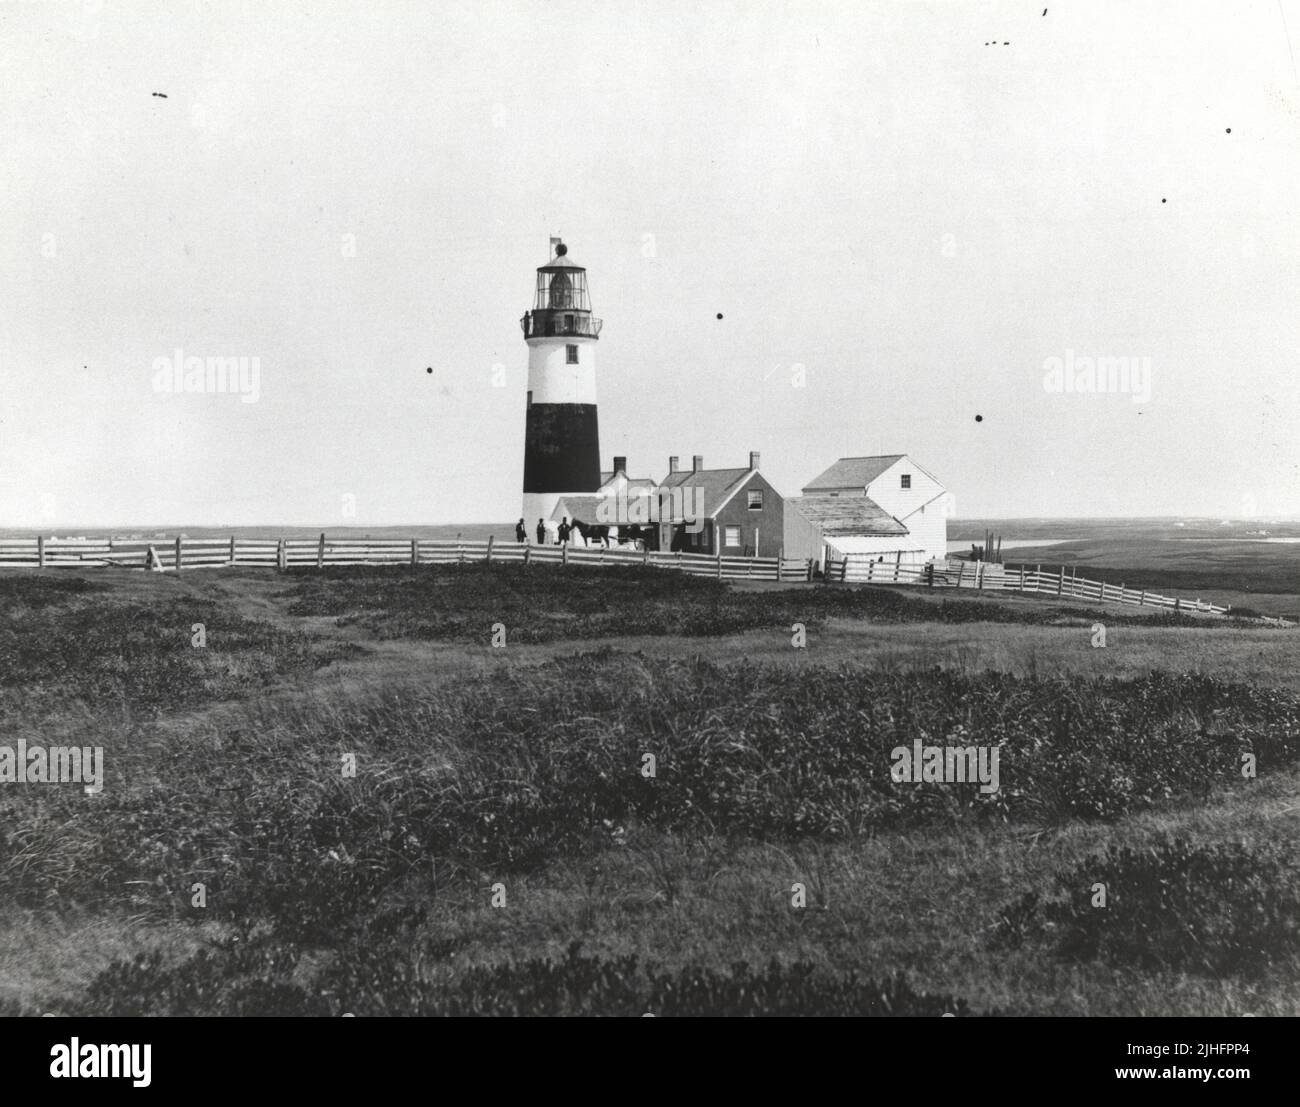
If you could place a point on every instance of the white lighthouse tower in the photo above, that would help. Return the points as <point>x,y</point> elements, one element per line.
<point>561,443</point>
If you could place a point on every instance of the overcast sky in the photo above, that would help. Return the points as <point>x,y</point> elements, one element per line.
<point>901,211</point>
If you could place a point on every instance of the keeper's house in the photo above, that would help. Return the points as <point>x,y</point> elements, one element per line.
<point>732,512</point>
<point>886,505</point>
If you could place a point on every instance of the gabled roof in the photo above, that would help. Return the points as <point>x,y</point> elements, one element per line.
<point>716,486</point>
<point>853,472</point>
<point>632,482</point>
<point>582,508</point>
<point>856,515</point>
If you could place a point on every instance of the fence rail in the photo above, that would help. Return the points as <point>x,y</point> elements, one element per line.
<point>181,554</point>
<point>982,575</point>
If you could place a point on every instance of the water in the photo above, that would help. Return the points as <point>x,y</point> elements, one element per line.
<point>959,547</point>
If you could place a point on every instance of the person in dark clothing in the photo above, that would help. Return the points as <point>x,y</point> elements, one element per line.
<point>541,533</point>
<point>564,530</point>
<point>521,535</point>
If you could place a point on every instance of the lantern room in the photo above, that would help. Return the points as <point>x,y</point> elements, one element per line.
<point>561,305</point>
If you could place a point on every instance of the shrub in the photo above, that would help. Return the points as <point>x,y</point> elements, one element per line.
<point>548,603</point>
<point>387,981</point>
<point>1216,910</point>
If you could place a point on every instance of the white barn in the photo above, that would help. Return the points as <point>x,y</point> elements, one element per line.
<point>886,505</point>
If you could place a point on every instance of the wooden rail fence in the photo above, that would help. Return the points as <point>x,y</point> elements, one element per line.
<point>984,575</point>
<point>183,554</point>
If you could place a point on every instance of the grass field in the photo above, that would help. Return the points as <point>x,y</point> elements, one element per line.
<point>348,799</point>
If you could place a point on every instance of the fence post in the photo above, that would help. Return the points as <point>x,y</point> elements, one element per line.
<point>1038,584</point>
<point>844,569</point>
<point>719,564</point>
<point>1060,581</point>
<point>460,550</point>
<point>1142,599</point>
<point>564,553</point>
<point>1178,605</point>
<point>528,548</point>
<point>645,555</point>
<point>40,551</point>
<point>178,553</point>
<point>415,551</point>
<point>232,549</point>
<point>281,561</point>
<point>489,550</point>
<point>929,574</point>
<point>979,576</point>
<point>320,551</point>
<point>810,571</point>
<point>961,572</point>
<point>898,560</point>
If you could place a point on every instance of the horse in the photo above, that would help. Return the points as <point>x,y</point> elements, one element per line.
<point>592,532</point>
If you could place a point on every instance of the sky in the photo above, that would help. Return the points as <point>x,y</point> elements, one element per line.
<point>813,230</point>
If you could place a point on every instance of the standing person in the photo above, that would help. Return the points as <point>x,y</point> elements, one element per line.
<point>564,531</point>
<point>541,533</point>
<point>521,535</point>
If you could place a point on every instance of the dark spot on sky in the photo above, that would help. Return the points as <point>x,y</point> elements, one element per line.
<point>1163,200</point>
<point>161,95</point>
<point>719,315</point>
<point>1229,131</point>
<point>429,370</point>
<point>979,418</point>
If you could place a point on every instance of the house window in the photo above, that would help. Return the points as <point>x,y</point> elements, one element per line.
<point>731,536</point>
<point>907,480</point>
<point>571,354</point>
<point>755,499</point>
<point>568,324</point>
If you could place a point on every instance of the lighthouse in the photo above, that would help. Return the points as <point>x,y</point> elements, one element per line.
<point>561,445</point>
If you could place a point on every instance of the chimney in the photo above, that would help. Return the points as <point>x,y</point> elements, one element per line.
<point>620,465</point>
<point>697,463</point>
<point>753,459</point>
<point>672,464</point>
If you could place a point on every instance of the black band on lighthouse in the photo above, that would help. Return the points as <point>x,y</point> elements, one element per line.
<point>561,448</point>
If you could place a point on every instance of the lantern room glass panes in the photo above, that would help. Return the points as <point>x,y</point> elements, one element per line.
<point>562,289</point>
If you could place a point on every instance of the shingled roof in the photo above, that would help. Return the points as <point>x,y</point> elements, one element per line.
<point>856,515</point>
<point>580,508</point>
<point>852,472</point>
<point>716,485</point>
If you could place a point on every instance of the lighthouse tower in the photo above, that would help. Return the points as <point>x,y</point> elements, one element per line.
<point>561,447</point>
